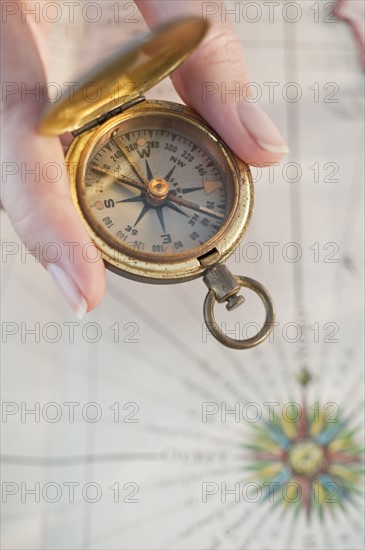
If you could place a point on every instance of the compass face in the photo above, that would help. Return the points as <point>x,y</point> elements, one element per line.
<point>157,187</point>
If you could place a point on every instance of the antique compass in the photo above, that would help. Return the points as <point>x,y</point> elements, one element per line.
<point>160,194</point>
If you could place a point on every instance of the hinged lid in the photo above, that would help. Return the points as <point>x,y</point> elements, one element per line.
<point>125,76</point>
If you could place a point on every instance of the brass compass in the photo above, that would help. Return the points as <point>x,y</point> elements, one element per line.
<point>160,194</point>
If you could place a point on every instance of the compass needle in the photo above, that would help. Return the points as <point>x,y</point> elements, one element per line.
<point>119,178</point>
<point>196,207</point>
<point>135,166</point>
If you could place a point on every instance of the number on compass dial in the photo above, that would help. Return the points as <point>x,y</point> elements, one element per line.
<point>159,186</point>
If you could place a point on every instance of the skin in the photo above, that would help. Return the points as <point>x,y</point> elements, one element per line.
<point>43,213</point>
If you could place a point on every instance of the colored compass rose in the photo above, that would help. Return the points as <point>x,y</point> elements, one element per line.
<point>312,463</point>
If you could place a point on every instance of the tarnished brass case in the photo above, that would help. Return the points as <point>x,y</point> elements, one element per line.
<point>151,268</point>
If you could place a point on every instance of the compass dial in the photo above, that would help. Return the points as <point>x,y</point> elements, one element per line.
<point>157,187</point>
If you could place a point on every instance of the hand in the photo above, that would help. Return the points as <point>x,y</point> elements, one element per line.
<point>39,205</point>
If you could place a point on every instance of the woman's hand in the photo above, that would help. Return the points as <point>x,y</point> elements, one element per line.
<point>35,186</point>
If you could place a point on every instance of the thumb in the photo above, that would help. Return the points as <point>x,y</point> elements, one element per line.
<point>214,81</point>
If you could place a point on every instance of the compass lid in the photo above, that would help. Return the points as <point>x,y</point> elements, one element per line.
<point>125,76</point>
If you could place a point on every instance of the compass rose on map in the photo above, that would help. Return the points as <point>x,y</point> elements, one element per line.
<point>311,464</point>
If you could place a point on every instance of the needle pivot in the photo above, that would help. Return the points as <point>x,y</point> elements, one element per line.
<point>157,191</point>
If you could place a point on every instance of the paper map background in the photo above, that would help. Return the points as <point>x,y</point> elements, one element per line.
<point>169,453</point>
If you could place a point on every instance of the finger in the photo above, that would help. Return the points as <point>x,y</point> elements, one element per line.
<point>214,81</point>
<point>66,141</point>
<point>35,189</point>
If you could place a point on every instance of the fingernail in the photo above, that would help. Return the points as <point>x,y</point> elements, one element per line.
<point>69,290</point>
<point>261,128</point>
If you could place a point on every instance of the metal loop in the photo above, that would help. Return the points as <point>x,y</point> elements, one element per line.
<point>249,342</point>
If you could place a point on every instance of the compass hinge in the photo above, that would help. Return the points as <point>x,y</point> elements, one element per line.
<point>106,116</point>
